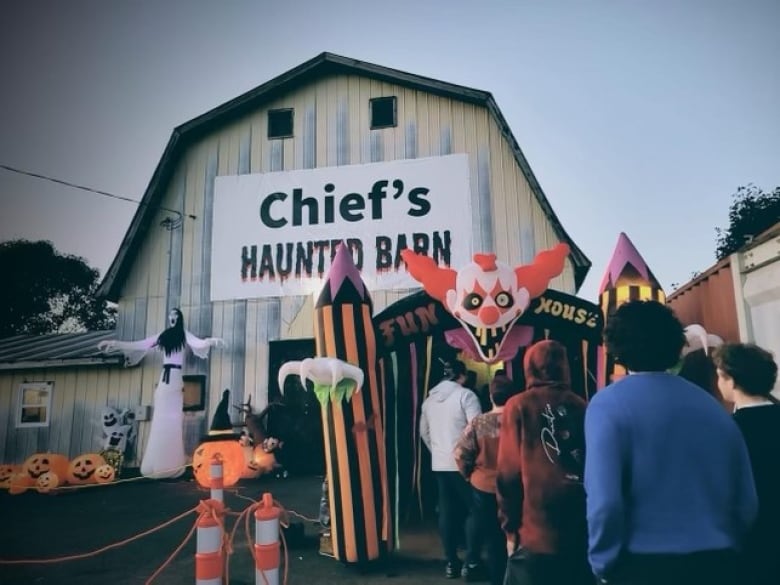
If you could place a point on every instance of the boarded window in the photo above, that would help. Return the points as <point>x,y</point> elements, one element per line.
<point>194,392</point>
<point>280,123</point>
<point>34,404</point>
<point>383,112</point>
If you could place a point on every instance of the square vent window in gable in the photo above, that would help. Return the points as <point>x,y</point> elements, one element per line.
<point>280,123</point>
<point>383,112</point>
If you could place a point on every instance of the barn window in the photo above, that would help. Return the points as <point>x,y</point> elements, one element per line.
<point>383,112</point>
<point>34,404</point>
<point>280,123</point>
<point>194,392</point>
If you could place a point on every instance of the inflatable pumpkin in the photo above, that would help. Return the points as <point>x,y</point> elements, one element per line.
<point>250,471</point>
<point>82,469</point>
<point>105,473</point>
<point>20,482</point>
<point>114,458</point>
<point>39,463</point>
<point>47,482</point>
<point>7,472</point>
<point>233,462</point>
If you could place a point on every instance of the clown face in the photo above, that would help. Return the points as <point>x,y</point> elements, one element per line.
<point>487,300</point>
<point>486,296</point>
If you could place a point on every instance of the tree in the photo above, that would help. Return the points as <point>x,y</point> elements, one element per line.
<point>752,211</point>
<point>44,291</point>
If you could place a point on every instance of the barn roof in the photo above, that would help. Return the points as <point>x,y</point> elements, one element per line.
<point>323,65</point>
<point>23,352</point>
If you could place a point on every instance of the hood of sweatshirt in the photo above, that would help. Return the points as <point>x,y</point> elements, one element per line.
<point>546,364</point>
<point>443,390</point>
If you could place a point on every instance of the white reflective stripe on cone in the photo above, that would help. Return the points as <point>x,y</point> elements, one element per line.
<point>209,539</point>
<point>271,577</point>
<point>266,531</point>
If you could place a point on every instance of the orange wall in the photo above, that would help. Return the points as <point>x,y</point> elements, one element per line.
<point>709,302</point>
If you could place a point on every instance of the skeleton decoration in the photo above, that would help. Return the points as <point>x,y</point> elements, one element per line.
<point>487,297</point>
<point>333,379</point>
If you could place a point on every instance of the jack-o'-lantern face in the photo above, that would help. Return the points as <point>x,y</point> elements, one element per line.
<point>82,468</point>
<point>6,472</point>
<point>37,465</point>
<point>105,474</point>
<point>47,482</point>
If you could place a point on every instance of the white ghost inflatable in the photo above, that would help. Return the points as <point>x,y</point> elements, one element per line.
<point>164,455</point>
<point>117,438</point>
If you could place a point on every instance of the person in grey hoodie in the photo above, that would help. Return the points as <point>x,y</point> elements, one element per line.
<point>446,411</point>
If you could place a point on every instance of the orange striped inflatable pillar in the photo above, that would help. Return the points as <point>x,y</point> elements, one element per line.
<point>627,279</point>
<point>361,521</point>
<point>267,557</point>
<point>217,483</point>
<point>209,557</point>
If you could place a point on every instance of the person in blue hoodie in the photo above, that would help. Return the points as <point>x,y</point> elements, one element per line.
<point>669,486</point>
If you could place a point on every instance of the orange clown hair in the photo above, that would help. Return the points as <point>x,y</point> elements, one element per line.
<point>535,277</point>
<point>436,281</point>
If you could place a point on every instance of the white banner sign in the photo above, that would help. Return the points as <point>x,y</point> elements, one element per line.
<point>274,234</point>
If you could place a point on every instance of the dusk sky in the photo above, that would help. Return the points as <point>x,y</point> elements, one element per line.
<point>642,116</point>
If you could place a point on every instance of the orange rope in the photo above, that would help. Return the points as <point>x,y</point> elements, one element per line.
<point>209,507</point>
<point>98,551</point>
<point>212,508</point>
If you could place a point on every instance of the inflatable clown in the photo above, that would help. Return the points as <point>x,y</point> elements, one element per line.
<point>487,297</point>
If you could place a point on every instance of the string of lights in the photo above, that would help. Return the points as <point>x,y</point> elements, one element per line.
<point>82,187</point>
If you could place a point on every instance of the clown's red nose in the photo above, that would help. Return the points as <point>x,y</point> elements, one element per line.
<point>489,315</point>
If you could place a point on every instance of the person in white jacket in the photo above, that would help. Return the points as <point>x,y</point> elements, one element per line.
<point>446,411</point>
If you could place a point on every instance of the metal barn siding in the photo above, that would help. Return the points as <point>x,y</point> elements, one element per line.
<point>331,127</point>
<point>709,301</point>
<point>83,385</point>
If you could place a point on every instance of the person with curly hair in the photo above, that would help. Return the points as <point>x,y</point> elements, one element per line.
<point>746,376</point>
<point>670,491</point>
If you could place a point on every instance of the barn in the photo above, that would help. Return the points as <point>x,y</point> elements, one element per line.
<point>241,217</point>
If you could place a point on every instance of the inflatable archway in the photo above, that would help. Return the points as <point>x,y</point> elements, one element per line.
<point>413,333</point>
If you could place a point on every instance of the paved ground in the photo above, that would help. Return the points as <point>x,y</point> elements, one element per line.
<point>38,526</point>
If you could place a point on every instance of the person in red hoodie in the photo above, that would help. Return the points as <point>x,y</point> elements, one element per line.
<point>539,483</point>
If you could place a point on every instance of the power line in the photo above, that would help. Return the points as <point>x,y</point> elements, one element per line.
<point>83,188</point>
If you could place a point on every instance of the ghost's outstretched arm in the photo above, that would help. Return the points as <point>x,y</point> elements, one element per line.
<point>200,347</point>
<point>134,351</point>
